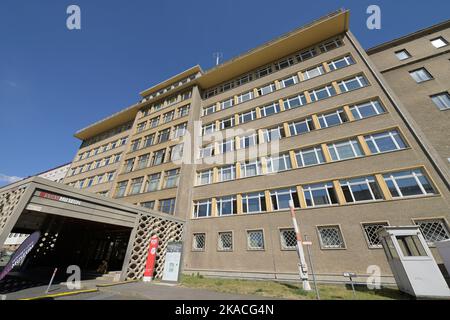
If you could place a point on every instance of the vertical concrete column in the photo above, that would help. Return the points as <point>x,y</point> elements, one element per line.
<point>239,203</point>
<point>263,165</point>
<point>255,93</point>
<point>216,148</point>
<point>301,197</point>
<point>339,192</point>
<point>260,136</point>
<point>258,112</point>
<point>336,87</point>
<point>218,106</point>
<point>217,124</point>
<point>161,181</point>
<point>326,67</point>
<point>281,104</point>
<point>348,113</point>
<point>300,76</point>
<point>277,85</point>
<point>293,159</point>
<point>236,101</point>
<point>383,186</point>
<point>237,143</point>
<point>215,175</point>
<point>316,122</point>
<point>268,200</point>
<point>364,145</point>
<point>326,152</point>
<point>236,119</point>
<point>307,97</point>
<point>287,132</point>
<point>214,212</point>
<point>238,170</point>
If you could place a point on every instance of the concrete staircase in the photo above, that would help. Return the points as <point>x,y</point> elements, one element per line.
<point>112,276</point>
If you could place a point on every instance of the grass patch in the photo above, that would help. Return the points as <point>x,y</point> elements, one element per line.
<point>283,290</point>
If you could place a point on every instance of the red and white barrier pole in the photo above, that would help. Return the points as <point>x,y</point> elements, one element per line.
<point>151,259</point>
<point>302,266</point>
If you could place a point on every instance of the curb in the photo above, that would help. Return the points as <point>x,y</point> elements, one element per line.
<point>114,284</point>
<point>62,294</point>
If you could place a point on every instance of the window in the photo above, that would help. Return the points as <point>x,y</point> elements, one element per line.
<point>322,93</point>
<point>295,102</point>
<point>149,140</point>
<point>266,89</point>
<point>288,239</point>
<point>361,189</point>
<point>171,178</point>
<point>279,163</point>
<point>205,177</point>
<point>164,135</point>
<point>305,55</point>
<point>341,63</point>
<point>179,130</point>
<point>411,246</point>
<point>168,116</point>
<point>121,188</point>
<point>367,109</point>
<point>280,198</point>
<point>371,233</point>
<point>255,240</point>
<point>141,126</point>
<point>154,122</point>
<point>353,83</point>
<point>207,151</point>
<point>227,173</point>
<point>434,230</point>
<point>420,75</point>
<point>167,205</point>
<point>439,42</point>
<point>302,126</point>
<point>90,182</point>
<point>143,161</point>
<point>270,109</point>
<point>210,93</point>
<point>249,141</point>
<point>226,206</point>
<point>135,145</point>
<point>225,241</point>
<point>136,185</point>
<point>245,97</point>
<point>284,64</point>
<point>330,237</point>
<point>226,86</point>
<point>202,208</point>
<point>254,202</point>
<point>183,111</point>
<point>313,72</point>
<point>208,128</point>
<point>158,157</point>
<point>148,204</point>
<point>345,150</point>
<point>442,100</point>
<point>129,164</point>
<point>330,45</point>
<point>332,119</point>
<point>385,142</point>
<point>274,134</point>
<point>310,157</point>
<point>226,146</point>
<point>289,81</point>
<point>264,71</point>
<point>110,176</point>
<point>251,168</point>
<point>115,160</point>
<point>408,183</point>
<point>153,182</point>
<point>227,103</point>
<point>199,242</point>
<point>176,152</point>
<point>209,110</point>
<point>227,123</point>
<point>321,194</point>
<point>248,116</point>
<point>402,55</point>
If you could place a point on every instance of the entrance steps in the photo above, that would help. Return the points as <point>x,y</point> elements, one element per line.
<point>112,276</point>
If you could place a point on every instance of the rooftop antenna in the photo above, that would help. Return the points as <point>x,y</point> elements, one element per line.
<point>217,56</point>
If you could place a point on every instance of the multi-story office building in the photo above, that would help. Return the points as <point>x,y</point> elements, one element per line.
<point>56,174</point>
<point>417,68</point>
<point>305,117</point>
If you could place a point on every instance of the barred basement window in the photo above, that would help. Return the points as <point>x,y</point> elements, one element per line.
<point>225,241</point>
<point>434,230</point>
<point>199,242</point>
<point>288,239</point>
<point>330,237</point>
<point>255,240</point>
<point>371,233</point>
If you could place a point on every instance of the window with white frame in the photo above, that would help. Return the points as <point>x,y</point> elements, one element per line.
<point>287,82</point>
<point>332,119</point>
<point>371,233</point>
<point>251,168</point>
<point>310,157</point>
<point>249,141</point>
<point>367,109</point>
<point>149,140</point>
<point>245,97</point>
<point>320,194</point>
<point>281,197</point>
<point>171,178</point>
<point>270,109</point>
<point>141,126</point>
<point>385,142</point>
<point>202,208</point>
<point>167,205</point>
<point>322,93</point>
<point>307,54</point>
<point>247,116</point>
<point>136,185</point>
<point>353,83</point>
<point>255,240</point>
<point>153,182</point>
<point>227,173</point>
<point>278,163</point>
<point>253,202</point>
<point>226,146</point>
<point>313,72</point>
<point>402,55</point>
<point>199,241</point>
<point>129,164</point>
<point>439,42</point>
<point>442,100</point>
<point>90,182</point>
<point>264,71</point>
<point>154,122</point>
<point>266,89</point>
<point>110,176</point>
<point>158,157</point>
<point>183,111</point>
<point>168,116</point>
<point>227,103</point>
<point>433,230</point>
<point>282,64</point>
<point>226,206</point>
<point>330,237</point>
<point>205,177</point>
<point>179,130</point>
<point>420,75</point>
<point>121,188</point>
<point>288,239</point>
<point>341,63</point>
<point>135,144</point>
<point>345,150</point>
<point>164,135</point>
<point>207,151</point>
<point>273,134</point>
<point>225,241</point>
<point>210,93</point>
<point>361,189</point>
<point>208,128</point>
<point>209,110</point>
<point>408,183</point>
<point>295,102</point>
<point>176,152</point>
<point>227,123</point>
<point>330,45</point>
<point>302,126</point>
<point>143,161</point>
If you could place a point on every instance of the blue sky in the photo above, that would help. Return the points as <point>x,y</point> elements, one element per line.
<point>54,81</point>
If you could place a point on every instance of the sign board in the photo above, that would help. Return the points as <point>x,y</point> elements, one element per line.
<point>21,253</point>
<point>173,260</point>
<point>56,197</point>
<point>151,259</point>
